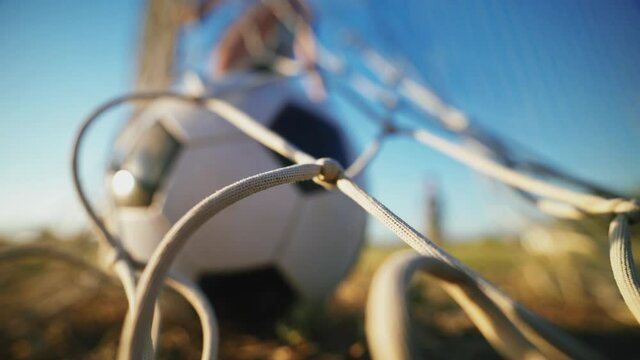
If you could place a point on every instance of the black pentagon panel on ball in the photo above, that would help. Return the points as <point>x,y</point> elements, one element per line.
<point>313,134</point>
<point>234,295</point>
<point>142,172</point>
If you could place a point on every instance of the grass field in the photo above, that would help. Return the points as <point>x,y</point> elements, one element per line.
<point>51,310</point>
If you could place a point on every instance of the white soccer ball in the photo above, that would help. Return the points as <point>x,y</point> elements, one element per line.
<point>299,238</point>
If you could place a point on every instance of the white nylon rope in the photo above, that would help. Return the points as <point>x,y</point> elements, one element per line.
<point>590,203</point>
<point>623,265</point>
<point>586,202</point>
<point>455,120</point>
<point>560,202</point>
<point>121,261</point>
<point>418,95</point>
<point>388,324</point>
<point>542,334</point>
<point>365,157</point>
<point>278,144</point>
<point>257,131</point>
<point>190,292</point>
<point>184,287</point>
<point>449,117</point>
<point>123,265</point>
<point>136,331</point>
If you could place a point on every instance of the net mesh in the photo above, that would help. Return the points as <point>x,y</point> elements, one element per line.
<point>514,331</point>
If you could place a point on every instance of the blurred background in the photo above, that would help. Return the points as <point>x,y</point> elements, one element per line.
<point>558,81</point>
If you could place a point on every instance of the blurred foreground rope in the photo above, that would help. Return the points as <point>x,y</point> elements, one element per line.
<point>538,332</point>
<point>623,265</point>
<point>183,287</point>
<point>533,335</point>
<point>136,331</point>
<point>388,322</point>
<point>542,334</point>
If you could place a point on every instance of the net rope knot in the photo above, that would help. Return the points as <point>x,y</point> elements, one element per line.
<point>388,127</point>
<point>629,208</point>
<point>330,172</point>
<point>634,214</point>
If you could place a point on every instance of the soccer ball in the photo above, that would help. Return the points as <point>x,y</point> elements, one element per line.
<point>299,239</point>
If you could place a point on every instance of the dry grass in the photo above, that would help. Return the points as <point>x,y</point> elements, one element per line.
<point>52,310</point>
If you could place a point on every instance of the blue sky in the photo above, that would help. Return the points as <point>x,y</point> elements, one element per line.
<point>59,59</point>
<point>562,79</point>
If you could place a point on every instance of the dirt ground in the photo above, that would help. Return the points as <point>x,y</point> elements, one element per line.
<point>51,310</point>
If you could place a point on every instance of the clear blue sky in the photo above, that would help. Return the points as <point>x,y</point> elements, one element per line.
<point>561,78</point>
<point>58,60</point>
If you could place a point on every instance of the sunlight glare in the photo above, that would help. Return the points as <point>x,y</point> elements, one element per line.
<point>122,183</point>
